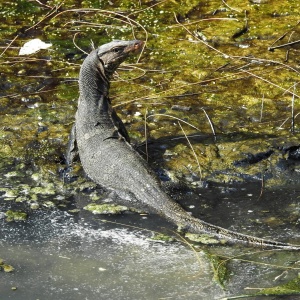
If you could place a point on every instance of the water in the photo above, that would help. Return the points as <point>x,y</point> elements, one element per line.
<point>59,255</point>
<point>56,257</point>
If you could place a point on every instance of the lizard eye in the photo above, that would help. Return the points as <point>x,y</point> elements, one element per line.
<point>118,49</point>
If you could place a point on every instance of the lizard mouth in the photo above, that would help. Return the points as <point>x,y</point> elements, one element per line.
<point>135,48</point>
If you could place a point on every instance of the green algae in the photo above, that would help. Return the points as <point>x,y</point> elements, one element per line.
<point>44,190</point>
<point>15,216</point>
<point>5,267</point>
<point>162,237</point>
<point>220,269</point>
<point>106,209</point>
<point>34,206</point>
<point>290,288</point>
<point>9,193</point>
<point>49,204</point>
<point>203,239</point>
<point>94,196</point>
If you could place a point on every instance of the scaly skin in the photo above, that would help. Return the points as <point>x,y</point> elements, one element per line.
<point>108,158</point>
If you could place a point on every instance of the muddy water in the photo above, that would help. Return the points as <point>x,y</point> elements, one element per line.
<point>59,255</point>
<point>198,56</point>
<point>56,257</point>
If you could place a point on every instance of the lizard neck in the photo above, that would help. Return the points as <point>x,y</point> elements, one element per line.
<point>93,86</point>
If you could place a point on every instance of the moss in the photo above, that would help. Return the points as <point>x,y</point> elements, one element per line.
<point>74,211</point>
<point>94,196</point>
<point>202,238</point>
<point>220,270</point>
<point>34,205</point>
<point>5,267</point>
<point>11,174</point>
<point>162,237</point>
<point>49,204</point>
<point>9,193</point>
<point>105,209</point>
<point>85,185</point>
<point>15,216</point>
<point>290,288</point>
<point>36,176</point>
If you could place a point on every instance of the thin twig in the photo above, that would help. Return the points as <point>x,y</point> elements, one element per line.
<point>262,186</point>
<point>109,14</point>
<point>76,44</point>
<point>283,36</point>
<point>39,2</point>
<point>262,107</point>
<point>173,117</point>
<point>243,30</point>
<point>131,67</point>
<point>138,11</point>
<point>49,14</point>
<point>194,153</point>
<point>293,112</point>
<point>274,84</point>
<point>280,127</point>
<point>210,123</point>
<point>201,41</point>
<point>185,241</point>
<point>9,45</point>
<point>234,9</point>
<point>283,45</point>
<point>288,90</point>
<point>202,20</point>
<point>158,95</point>
<point>234,56</point>
<point>258,252</point>
<point>146,135</point>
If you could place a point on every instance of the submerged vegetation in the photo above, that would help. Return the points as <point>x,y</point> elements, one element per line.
<point>5,267</point>
<point>214,93</point>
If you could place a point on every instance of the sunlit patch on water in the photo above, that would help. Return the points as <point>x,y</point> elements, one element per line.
<point>45,226</point>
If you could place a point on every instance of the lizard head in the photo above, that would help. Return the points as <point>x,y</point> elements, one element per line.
<point>114,53</point>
